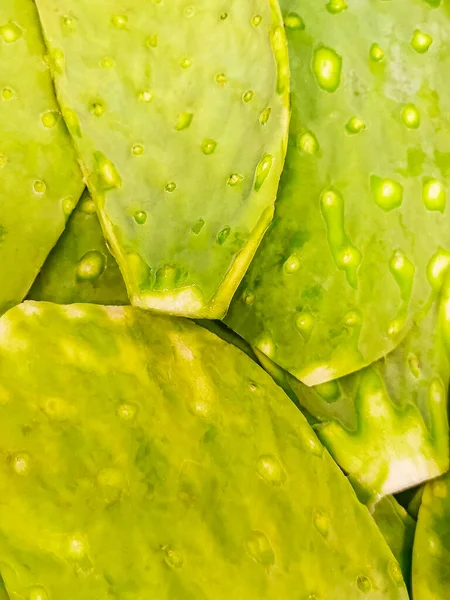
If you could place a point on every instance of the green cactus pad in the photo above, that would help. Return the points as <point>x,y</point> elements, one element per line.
<point>40,182</point>
<point>361,218</point>
<point>431,558</point>
<point>80,268</point>
<point>415,502</point>
<point>145,457</point>
<point>411,499</point>
<point>161,99</point>
<point>398,529</point>
<point>387,424</point>
<point>3,592</point>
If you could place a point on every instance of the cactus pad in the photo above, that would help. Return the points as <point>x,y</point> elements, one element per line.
<point>80,268</point>
<point>146,457</point>
<point>40,181</point>
<point>415,501</point>
<point>398,529</point>
<point>161,99</point>
<point>431,559</point>
<point>387,424</point>
<point>362,214</point>
<point>3,592</point>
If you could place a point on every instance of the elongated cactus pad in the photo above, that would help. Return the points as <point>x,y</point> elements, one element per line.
<point>3,592</point>
<point>431,559</point>
<point>180,113</point>
<point>362,218</point>
<point>80,268</point>
<point>40,182</point>
<point>398,529</point>
<point>387,425</point>
<point>145,457</point>
<point>415,502</point>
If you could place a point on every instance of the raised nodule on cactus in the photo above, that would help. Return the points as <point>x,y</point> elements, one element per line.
<point>40,181</point>
<point>387,425</point>
<point>80,267</point>
<point>180,113</point>
<point>361,220</point>
<point>143,457</point>
<point>431,558</point>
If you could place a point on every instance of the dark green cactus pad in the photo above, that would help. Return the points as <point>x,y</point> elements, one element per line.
<point>362,216</point>
<point>411,499</point>
<point>145,457</point>
<point>161,99</point>
<point>431,558</point>
<point>80,268</point>
<point>40,181</point>
<point>398,529</point>
<point>415,502</point>
<point>387,425</point>
<point>3,592</point>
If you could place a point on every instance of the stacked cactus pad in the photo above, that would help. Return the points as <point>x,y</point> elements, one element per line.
<point>224,299</point>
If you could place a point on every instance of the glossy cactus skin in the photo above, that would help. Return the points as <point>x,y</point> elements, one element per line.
<point>431,558</point>
<point>160,99</point>
<point>109,457</point>
<point>387,425</point>
<point>80,267</point>
<point>361,214</point>
<point>40,181</point>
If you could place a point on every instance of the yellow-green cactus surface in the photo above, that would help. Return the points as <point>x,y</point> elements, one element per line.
<point>180,114</point>
<point>361,228</point>
<point>40,181</point>
<point>145,457</point>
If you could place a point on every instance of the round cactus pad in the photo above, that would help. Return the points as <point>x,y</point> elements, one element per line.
<point>361,230</point>
<point>146,457</point>
<point>180,113</point>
